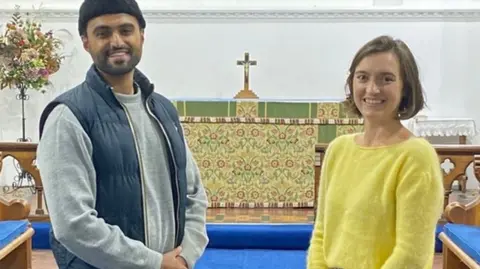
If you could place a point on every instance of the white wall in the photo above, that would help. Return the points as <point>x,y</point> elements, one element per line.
<point>303,49</point>
<point>236,4</point>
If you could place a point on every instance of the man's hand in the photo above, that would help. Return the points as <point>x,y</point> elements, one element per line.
<point>183,261</point>
<point>171,260</point>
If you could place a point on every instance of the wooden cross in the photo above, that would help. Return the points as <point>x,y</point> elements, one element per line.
<point>246,63</point>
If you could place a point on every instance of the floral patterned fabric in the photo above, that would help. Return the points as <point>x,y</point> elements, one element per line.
<point>260,154</point>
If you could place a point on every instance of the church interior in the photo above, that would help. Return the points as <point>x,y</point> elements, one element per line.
<point>260,88</point>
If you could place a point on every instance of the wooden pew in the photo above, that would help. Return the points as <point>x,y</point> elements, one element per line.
<point>454,257</point>
<point>17,253</point>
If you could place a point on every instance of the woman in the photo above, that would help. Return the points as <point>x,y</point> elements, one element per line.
<point>381,191</point>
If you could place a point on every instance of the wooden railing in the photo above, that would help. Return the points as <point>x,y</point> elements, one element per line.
<point>25,154</point>
<point>14,210</point>
<point>458,157</point>
<point>454,158</point>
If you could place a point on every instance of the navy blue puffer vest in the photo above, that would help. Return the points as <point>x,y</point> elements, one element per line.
<point>119,199</point>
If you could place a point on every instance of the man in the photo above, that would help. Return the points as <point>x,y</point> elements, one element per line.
<point>121,186</point>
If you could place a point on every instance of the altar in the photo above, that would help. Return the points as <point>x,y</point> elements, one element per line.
<point>258,152</point>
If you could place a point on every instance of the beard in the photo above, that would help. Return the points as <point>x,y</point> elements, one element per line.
<point>117,66</point>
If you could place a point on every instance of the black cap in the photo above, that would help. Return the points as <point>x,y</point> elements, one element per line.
<point>91,9</point>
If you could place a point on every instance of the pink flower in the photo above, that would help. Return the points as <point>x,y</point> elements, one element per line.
<point>43,72</point>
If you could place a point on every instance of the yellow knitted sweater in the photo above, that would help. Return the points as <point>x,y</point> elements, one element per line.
<point>377,207</point>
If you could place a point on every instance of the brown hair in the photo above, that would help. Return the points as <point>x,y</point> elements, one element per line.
<point>413,99</point>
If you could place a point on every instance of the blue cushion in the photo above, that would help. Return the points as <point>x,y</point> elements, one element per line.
<point>466,237</point>
<point>227,236</point>
<point>438,242</point>
<point>252,259</point>
<point>11,230</point>
<point>41,238</point>
<point>236,236</point>
<point>260,236</point>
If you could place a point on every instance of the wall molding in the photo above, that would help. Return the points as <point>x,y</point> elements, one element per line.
<point>287,15</point>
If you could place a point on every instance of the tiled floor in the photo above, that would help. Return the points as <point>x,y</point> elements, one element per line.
<point>43,259</point>
<point>245,215</point>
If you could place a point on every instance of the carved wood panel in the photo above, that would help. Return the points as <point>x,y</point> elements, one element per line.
<point>25,154</point>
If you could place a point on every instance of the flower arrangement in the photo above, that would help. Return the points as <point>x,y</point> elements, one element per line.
<point>28,56</point>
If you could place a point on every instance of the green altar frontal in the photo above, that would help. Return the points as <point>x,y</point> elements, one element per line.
<point>258,153</point>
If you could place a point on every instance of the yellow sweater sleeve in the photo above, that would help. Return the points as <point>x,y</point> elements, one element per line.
<point>316,255</point>
<point>418,209</point>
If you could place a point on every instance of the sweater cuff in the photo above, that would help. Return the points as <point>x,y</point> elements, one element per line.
<point>189,256</point>
<point>154,260</point>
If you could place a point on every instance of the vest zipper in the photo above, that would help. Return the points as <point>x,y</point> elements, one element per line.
<point>177,211</point>
<point>142,182</point>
